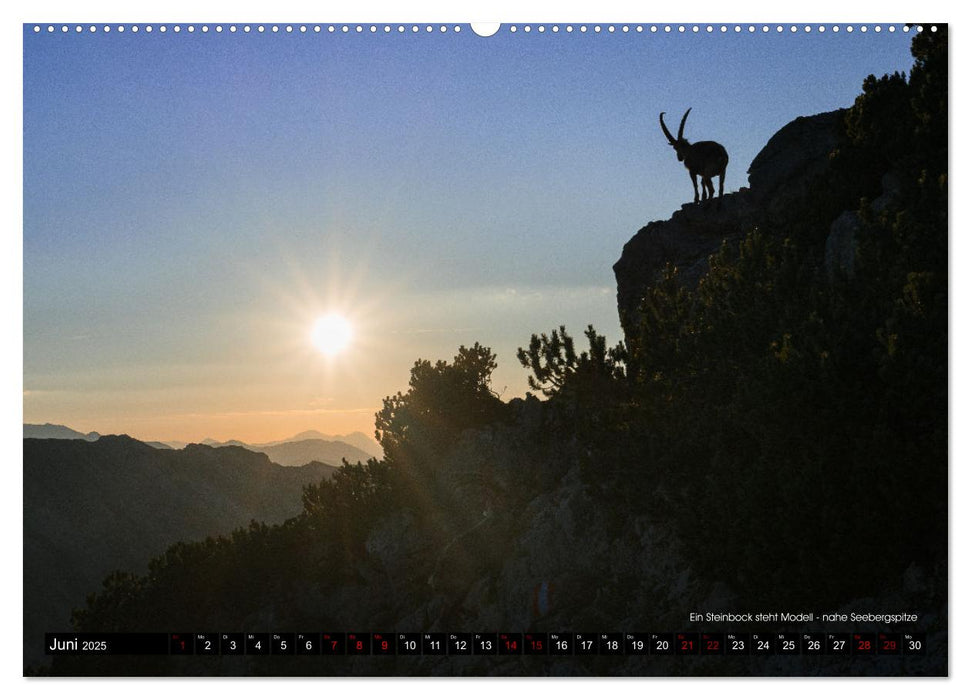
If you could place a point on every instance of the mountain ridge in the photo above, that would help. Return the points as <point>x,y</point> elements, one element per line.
<point>302,448</point>
<point>91,507</point>
<point>295,452</point>
<point>54,431</point>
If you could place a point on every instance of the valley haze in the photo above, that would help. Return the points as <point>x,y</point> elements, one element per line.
<point>303,448</point>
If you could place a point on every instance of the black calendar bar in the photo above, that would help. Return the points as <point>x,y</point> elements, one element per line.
<point>542,644</point>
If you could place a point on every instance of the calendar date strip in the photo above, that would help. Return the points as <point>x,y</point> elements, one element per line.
<point>485,644</point>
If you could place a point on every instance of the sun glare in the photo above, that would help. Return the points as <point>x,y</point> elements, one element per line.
<point>331,334</point>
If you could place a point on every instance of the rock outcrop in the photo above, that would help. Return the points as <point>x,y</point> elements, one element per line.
<point>779,176</point>
<point>793,157</point>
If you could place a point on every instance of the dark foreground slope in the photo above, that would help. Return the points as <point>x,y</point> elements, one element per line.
<point>93,507</point>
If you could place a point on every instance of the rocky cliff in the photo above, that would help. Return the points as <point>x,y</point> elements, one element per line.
<point>779,177</point>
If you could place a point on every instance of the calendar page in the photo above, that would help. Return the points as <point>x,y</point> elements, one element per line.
<point>515,349</point>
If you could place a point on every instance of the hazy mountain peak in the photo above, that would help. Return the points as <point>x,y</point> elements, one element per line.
<point>48,431</point>
<point>309,435</point>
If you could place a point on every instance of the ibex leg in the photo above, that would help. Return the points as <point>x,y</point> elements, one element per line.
<point>694,181</point>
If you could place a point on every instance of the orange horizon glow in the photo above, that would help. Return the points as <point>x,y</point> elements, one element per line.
<point>257,427</point>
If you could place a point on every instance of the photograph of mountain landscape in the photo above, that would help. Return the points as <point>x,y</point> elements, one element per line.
<point>426,350</point>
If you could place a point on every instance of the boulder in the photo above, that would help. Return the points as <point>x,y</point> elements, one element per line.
<point>793,157</point>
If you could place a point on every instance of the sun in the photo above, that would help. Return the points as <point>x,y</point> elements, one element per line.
<point>332,334</point>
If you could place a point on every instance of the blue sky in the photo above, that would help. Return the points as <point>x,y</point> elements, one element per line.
<point>193,201</point>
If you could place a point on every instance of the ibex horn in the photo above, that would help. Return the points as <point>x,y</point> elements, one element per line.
<point>683,120</point>
<point>665,130</point>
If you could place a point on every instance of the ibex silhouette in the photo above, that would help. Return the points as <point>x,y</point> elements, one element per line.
<point>705,158</point>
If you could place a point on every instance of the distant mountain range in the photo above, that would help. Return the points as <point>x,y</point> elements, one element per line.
<point>56,432</point>
<point>357,439</point>
<point>303,448</point>
<point>92,507</point>
<point>310,446</point>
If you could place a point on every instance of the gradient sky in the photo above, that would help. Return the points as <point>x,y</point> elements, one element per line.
<point>192,202</point>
